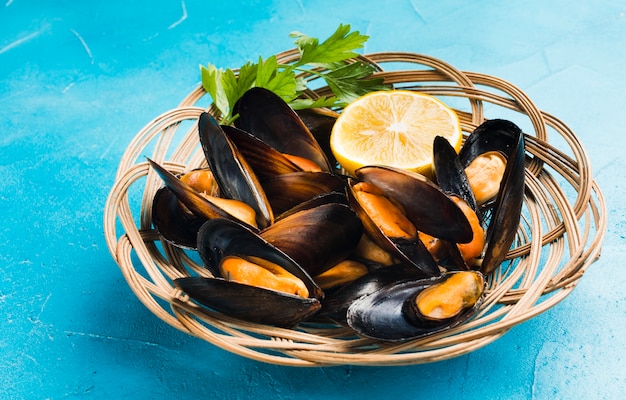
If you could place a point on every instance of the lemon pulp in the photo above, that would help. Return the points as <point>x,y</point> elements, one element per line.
<point>394,128</point>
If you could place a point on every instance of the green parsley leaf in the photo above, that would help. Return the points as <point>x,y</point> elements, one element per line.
<point>346,80</point>
<point>212,83</point>
<point>338,47</point>
<point>349,81</point>
<point>270,77</point>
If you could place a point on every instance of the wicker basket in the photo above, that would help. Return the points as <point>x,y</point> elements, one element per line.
<point>560,234</point>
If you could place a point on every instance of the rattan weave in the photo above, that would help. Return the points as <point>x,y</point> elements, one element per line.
<point>559,237</point>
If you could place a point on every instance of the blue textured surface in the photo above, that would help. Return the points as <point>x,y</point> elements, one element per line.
<point>79,79</point>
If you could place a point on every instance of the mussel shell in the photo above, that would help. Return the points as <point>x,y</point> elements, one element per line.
<point>492,135</point>
<point>316,238</point>
<point>381,314</point>
<point>450,173</point>
<point>320,123</point>
<point>288,190</point>
<point>268,117</point>
<point>194,201</point>
<point>173,223</point>
<point>425,204</point>
<point>219,238</point>
<point>233,174</point>
<point>506,214</point>
<point>265,161</point>
<point>410,251</point>
<point>249,303</point>
<point>335,305</point>
<point>338,197</point>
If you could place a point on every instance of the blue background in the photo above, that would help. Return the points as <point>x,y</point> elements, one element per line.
<point>79,79</point>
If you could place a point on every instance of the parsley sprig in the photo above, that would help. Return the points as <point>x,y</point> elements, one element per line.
<point>326,60</point>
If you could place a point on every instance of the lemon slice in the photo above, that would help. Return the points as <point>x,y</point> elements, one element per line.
<point>394,128</point>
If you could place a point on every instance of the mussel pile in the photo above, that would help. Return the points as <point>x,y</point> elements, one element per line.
<point>288,238</point>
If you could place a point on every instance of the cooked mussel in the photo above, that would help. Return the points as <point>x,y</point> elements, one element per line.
<point>426,205</point>
<point>221,238</point>
<point>490,170</point>
<point>174,222</point>
<point>335,304</point>
<point>507,207</point>
<point>249,303</point>
<point>234,176</point>
<point>183,205</point>
<point>253,280</point>
<point>341,274</point>
<point>422,207</point>
<point>268,117</point>
<point>316,238</point>
<point>415,308</point>
<point>387,229</point>
<point>264,160</point>
<point>484,156</point>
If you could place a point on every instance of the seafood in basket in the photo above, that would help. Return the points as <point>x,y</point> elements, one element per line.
<point>288,237</point>
<point>557,238</point>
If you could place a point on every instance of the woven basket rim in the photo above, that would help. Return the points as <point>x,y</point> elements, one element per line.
<point>560,234</point>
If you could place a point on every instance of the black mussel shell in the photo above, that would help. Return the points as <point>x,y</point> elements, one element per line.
<point>220,238</point>
<point>173,223</point>
<point>335,305</point>
<point>268,117</point>
<point>492,135</point>
<point>320,123</point>
<point>507,209</point>
<point>338,197</point>
<point>288,190</point>
<point>450,173</point>
<point>233,174</point>
<point>410,251</point>
<point>381,314</point>
<point>316,238</point>
<point>249,303</point>
<point>425,204</point>
<point>194,201</point>
<point>265,161</point>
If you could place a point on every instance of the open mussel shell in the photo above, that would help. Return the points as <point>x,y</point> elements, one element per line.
<point>505,137</point>
<point>335,305</point>
<point>492,135</point>
<point>507,209</point>
<point>173,223</point>
<point>233,174</point>
<point>221,238</point>
<point>249,303</point>
<point>171,220</point>
<point>426,205</point>
<point>382,315</point>
<point>409,251</point>
<point>268,117</point>
<point>265,161</point>
<point>450,173</point>
<point>316,238</point>
<point>452,179</point>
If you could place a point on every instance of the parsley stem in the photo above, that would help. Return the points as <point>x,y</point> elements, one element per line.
<point>301,69</point>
